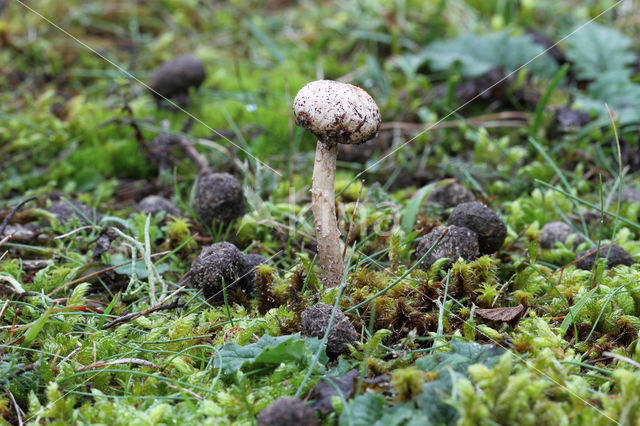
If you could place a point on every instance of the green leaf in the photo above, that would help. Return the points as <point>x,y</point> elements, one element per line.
<point>596,49</point>
<point>428,408</point>
<point>461,356</point>
<point>477,54</point>
<point>573,312</point>
<point>413,206</point>
<point>615,89</point>
<point>363,410</point>
<point>107,311</point>
<point>451,366</point>
<point>404,414</point>
<point>37,327</point>
<point>269,351</point>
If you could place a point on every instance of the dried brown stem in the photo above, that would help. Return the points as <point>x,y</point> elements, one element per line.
<point>13,211</point>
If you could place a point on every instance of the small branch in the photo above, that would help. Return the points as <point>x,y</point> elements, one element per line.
<point>102,271</point>
<point>100,364</point>
<point>190,392</point>
<point>14,283</point>
<point>19,412</point>
<point>587,254</point>
<point>187,146</point>
<point>136,129</point>
<point>13,211</point>
<point>159,306</point>
<point>82,228</point>
<point>4,240</point>
<point>501,119</point>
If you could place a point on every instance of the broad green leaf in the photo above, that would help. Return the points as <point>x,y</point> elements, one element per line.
<point>364,410</point>
<point>428,408</point>
<point>477,54</point>
<point>615,89</point>
<point>460,357</point>
<point>596,49</point>
<point>269,351</point>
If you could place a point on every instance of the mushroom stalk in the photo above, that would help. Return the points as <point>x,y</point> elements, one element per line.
<point>323,205</point>
<point>336,113</point>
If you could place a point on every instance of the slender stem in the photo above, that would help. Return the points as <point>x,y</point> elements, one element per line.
<point>323,206</point>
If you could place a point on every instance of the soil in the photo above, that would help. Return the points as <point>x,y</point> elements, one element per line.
<point>174,78</point>
<point>288,411</point>
<point>155,204</point>
<point>486,223</point>
<point>217,264</point>
<point>617,256</point>
<point>314,324</point>
<point>557,232</point>
<point>459,242</point>
<point>219,198</point>
<point>450,195</point>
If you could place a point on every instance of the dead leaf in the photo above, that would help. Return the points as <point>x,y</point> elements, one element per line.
<point>509,315</point>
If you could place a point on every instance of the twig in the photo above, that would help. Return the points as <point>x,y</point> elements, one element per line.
<point>4,240</point>
<point>102,271</point>
<point>622,358</point>
<point>587,254</point>
<point>501,119</point>
<point>13,211</point>
<point>137,361</point>
<point>19,412</point>
<point>190,392</point>
<point>136,129</point>
<point>4,308</point>
<point>14,283</point>
<point>82,228</point>
<point>159,306</point>
<point>187,146</point>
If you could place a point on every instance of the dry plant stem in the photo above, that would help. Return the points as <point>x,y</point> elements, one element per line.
<point>323,205</point>
<point>188,147</point>
<point>157,307</point>
<point>100,364</point>
<point>13,211</point>
<point>14,283</point>
<point>102,271</point>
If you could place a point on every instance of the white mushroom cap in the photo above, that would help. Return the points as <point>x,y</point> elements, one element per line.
<point>337,112</point>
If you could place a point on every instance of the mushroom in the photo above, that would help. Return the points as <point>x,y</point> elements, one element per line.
<point>335,113</point>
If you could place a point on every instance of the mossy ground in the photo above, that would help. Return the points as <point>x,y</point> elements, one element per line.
<point>74,127</point>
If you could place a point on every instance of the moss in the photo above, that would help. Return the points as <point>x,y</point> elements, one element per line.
<point>407,383</point>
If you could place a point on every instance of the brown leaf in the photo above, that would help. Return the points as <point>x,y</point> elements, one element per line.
<point>510,315</point>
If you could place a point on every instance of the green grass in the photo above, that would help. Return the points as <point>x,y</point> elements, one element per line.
<point>69,125</point>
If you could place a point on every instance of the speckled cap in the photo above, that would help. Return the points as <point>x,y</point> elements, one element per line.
<point>337,112</point>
